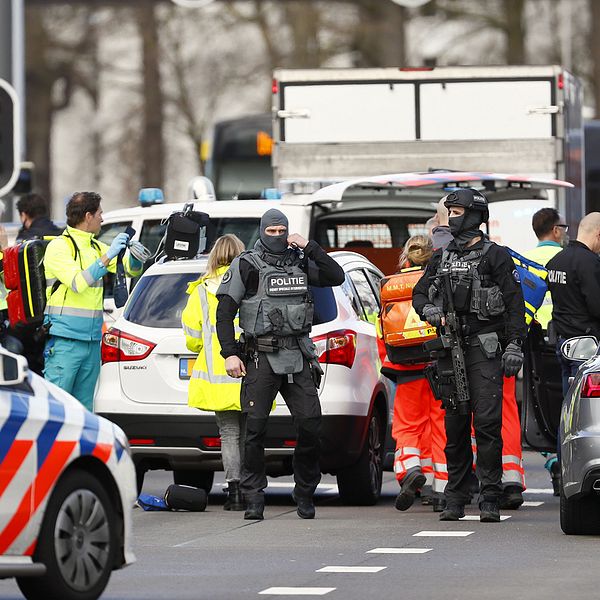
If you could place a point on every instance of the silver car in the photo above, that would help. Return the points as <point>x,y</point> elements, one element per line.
<point>580,440</point>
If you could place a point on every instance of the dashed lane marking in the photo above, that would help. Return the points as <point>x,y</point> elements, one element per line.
<point>476,518</point>
<point>442,533</point>
<point>296,591</point>
<point>529,503</point>
<point>399,550</point>
<point>339,569</point>
<point>326,488</point>
<point>539,491</point>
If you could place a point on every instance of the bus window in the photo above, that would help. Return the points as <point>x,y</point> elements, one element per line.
<point>240,164</point>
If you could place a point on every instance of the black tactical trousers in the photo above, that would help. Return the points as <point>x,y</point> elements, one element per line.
<point>485,386</point>
<point>259,388</point>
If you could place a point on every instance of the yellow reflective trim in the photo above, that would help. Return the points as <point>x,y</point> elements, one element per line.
<point>27,279</point>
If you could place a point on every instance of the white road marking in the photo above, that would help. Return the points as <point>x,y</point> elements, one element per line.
<point>399,550</point>
<point>296,591</point>
<point>528,503</point>
<point>350,569</point>
<point>442,533</point>
<point>327,488</point>
<point>539,491</point>
<point>476,517</point>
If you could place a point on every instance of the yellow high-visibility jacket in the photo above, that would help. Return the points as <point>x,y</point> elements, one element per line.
<point>210,386</point>
<point>75,307</point>
<point>542,254</point>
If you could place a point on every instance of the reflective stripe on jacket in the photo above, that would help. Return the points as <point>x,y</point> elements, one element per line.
<point>75,308</point>
<point>3,290</point>
<point>542,254</point>
<point>210,386</point>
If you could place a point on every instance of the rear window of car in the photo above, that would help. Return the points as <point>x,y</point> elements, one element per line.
<point>159,300</point>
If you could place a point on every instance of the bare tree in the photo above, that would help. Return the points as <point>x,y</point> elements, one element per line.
<point>595,51</point>
<point>506,17</point>
<point>380,35</point>
<point>56,65</point>
<point>152,143</point>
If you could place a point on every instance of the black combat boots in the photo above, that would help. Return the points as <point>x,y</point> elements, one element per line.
<point>254,511</point>
<point>489,511</point>
<point>305,506</point>
<point>452,512</point>
<point>408,489</point>
<point>512,497</point>
<point>235,500</point>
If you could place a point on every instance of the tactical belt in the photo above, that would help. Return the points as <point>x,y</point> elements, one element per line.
<point>270,343</point>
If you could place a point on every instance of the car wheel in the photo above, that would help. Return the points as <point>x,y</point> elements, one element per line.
<point>200,479</point>
<point>361,483</point>
<point>579,516</point>
<point>77,541</point>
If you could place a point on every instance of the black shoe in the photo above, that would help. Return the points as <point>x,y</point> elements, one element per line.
<point>305,507</point>
<point>410,484</point>
<point>512,497</point>
<point>555,474</point>
<point>489,512</point>
<point>438,502</point>
<point>452,512</point>
<point>254,511</point>
<point>235,500</point>
<point>426,495</point>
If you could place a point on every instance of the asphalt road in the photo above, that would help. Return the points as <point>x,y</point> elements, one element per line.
<point>216,555</point>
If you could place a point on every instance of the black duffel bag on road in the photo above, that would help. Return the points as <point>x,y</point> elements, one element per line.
<point>187,234</point>
<point>186,497</point>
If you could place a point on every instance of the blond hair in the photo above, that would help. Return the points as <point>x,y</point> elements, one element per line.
<point>417,251</point>
<point>225,249</point>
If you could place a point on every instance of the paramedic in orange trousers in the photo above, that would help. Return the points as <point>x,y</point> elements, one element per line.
<point>418,421</point>
<point>513,475</point>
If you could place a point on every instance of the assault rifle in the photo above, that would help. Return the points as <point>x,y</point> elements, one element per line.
<point>452,387</point>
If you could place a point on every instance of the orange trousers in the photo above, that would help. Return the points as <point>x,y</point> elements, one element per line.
<point>512,451</point>
<point>418,428</point>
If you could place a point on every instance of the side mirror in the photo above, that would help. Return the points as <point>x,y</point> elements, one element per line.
<point>13,369</point>
<point>579,349</point>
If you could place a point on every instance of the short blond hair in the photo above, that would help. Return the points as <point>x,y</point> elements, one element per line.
<point>224,250</point>
<point>417,251</point>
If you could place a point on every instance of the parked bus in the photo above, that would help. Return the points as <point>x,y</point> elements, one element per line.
<point>240,161</point>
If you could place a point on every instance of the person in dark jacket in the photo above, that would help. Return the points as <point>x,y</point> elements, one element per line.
<point>33,212</point>
<point>574,283</point>
<point>270,287</point>
<point>489,304</point>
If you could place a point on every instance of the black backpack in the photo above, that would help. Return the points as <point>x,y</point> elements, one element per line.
<point>187,233</point>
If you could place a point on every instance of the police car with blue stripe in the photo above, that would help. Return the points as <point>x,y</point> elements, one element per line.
<point>67,487</point>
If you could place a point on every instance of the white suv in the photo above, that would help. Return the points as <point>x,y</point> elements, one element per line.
<point>146,367</point>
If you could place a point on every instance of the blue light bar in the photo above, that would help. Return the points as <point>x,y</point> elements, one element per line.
<point>148,196</point>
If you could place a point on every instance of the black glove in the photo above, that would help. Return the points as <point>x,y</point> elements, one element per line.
<point>512,359</point>
<point>433,314</point>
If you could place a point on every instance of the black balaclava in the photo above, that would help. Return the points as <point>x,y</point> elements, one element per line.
<point>466,227</point>
<point>277,244</point>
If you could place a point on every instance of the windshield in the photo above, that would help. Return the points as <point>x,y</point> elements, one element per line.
<point>159,300</point>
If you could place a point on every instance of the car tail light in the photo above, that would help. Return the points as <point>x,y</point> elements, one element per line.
<point>290,443</point>
<point>591,386</point>
<point>211,442</point>
<point>274,86</point>
<point>336,347</point>
<point>118,346</point>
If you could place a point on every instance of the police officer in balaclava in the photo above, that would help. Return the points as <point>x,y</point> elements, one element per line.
<point>488,301</point>
<point>269,286</point>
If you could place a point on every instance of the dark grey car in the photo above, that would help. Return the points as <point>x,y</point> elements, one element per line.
<point>580,441</point>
